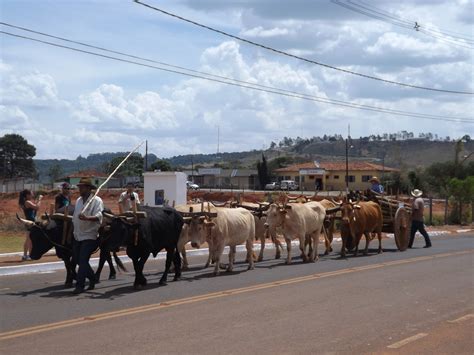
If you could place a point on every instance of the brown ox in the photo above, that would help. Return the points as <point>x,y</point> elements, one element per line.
<point>361,218</point>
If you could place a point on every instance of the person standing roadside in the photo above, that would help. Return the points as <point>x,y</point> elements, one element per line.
<point>30,206</point>
<point>86,229</point>
<point>417,220</point>
<point>63,199</point>
<point>128,198</point>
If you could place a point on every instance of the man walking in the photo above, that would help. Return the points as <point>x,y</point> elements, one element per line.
<point>417,221</point>
<point>86,223</point>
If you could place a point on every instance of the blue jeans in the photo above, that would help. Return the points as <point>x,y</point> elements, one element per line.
<point>418,226</point>
<point>82,253</point>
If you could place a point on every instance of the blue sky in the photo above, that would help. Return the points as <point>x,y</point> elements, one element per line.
<point>69,104</point>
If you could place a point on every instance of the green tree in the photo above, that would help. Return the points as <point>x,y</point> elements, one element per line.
<point>16,157</point>
<point>162,165</point>
<point>55,172</point>
<point>132,167</point>
<point>396,182</point>
<point>262,170</point>
<point>463,193</point>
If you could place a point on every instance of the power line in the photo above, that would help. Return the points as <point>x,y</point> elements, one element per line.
<point>253,87</point>
<point>301,58</point>
<point>412,22</point>
<point>455,40</point>
<point>389,18</point>
<point>321,99</point>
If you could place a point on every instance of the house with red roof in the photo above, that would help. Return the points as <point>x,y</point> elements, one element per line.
<point>331,175</point>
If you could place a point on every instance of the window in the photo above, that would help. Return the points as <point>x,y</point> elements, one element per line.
<point>352,178</point>
<point>366,178</point>
<point>336,177</point>
<point>302,179</point>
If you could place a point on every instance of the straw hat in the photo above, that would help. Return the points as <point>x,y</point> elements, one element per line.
<point>375,179</point>
<point>85,181</point>
<point>416,193</point>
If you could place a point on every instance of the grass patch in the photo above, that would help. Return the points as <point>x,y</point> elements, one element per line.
<point>11,242</point>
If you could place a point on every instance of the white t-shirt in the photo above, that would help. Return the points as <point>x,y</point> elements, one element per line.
<point>87,229</point>
<point>125,200</point>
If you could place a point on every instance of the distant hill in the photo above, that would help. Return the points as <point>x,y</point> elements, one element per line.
<point>404,154</point>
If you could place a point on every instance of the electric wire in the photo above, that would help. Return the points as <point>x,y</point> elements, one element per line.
<point>347,71</point>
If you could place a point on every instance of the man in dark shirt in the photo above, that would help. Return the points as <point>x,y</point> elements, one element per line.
<point>417,221</point>
<point>63,198</point>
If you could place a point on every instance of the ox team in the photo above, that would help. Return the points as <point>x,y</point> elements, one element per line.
<point>144,230</point>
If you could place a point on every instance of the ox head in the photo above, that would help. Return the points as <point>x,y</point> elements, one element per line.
<point>348,212</point>
<point>199,229</point>
<point>198,226</point>
<point>42,235</point>
<point>276,215</point>
<point>118,230</point>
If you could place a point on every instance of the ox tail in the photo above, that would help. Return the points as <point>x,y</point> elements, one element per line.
<point>119,262</point>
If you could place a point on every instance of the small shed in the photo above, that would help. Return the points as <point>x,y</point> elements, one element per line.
<point>164,188</point>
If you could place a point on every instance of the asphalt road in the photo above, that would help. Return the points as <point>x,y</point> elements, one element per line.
<point>418,301</point>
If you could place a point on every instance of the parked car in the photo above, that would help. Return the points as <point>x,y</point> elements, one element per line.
<point>289,185</point>
<point>272,186</point>
<point>191,185</point>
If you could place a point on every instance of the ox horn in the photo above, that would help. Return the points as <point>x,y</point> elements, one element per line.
<point>26,222</point>
<point>333,209</point>
<point>108,215</point>
<point>336,202</point>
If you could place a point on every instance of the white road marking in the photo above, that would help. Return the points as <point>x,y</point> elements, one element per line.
<point>462,319</point>
<point>4,289</point>
<point>406,341</point>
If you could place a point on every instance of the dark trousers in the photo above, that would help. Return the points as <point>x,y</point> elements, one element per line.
<point>418,226</point>
<point>82,253</point>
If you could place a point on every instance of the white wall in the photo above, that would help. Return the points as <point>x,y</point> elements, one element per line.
<point>173,185</point>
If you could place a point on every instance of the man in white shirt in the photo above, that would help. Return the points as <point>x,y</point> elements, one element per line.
<point>127,199</point>
<point>86,223</point>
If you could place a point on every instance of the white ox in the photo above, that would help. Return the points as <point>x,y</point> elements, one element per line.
<point>184,237</point>
<point>231,227</point>
<point>260,220</point>
<point>298,221</point>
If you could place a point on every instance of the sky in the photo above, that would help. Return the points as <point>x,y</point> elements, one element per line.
<point>68,103</point>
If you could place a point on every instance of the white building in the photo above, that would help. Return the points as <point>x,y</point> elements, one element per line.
<point>164,188</point>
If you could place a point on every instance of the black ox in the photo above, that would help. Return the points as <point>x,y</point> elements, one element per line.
<point>159,229</point>
<point>49,233</point>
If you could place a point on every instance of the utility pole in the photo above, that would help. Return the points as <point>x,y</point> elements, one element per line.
<point>218,140</point>
<point>347,165</point>
<point>146,155</point>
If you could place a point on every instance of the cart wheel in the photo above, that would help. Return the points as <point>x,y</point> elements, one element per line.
<point>401,228</point>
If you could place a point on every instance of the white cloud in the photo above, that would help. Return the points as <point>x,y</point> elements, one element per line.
<point>108,106</point>
<point>259,31</point>
<point>28,89</point>
<point>12,118</point>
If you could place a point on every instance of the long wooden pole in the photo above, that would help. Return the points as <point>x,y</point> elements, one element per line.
<point>110,176</point>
